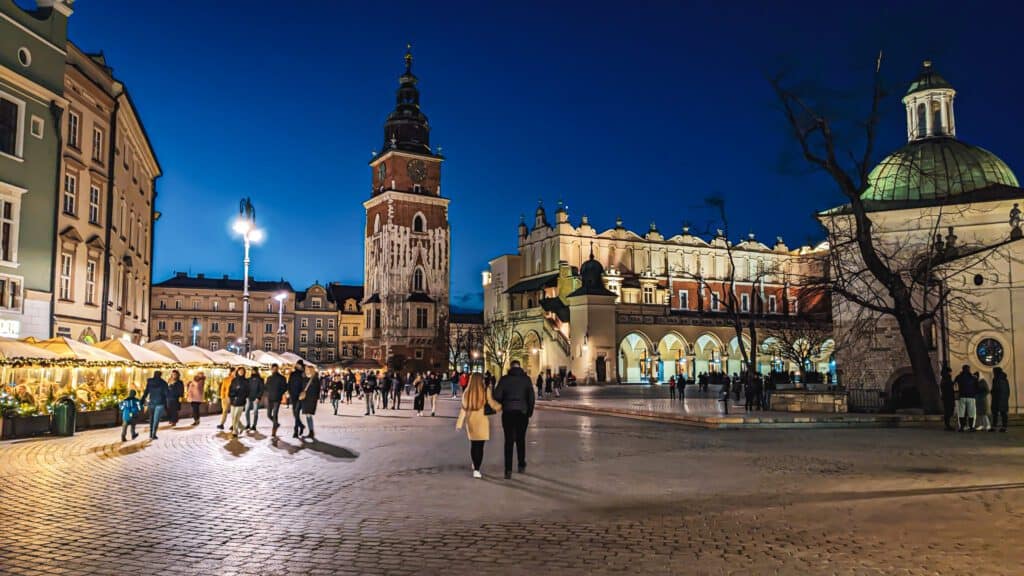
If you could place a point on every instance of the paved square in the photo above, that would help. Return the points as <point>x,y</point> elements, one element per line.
<point>392,494</point>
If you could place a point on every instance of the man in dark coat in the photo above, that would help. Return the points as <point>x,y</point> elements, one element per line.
<point>275,388</point>
<point>967,388</point>
<point>156,392</point>
<point>296,382</point>
<point>369,386</point>
<point>948,397</point>
<point>515,394</point>
<point>255,395</point>
<point>1000,398</point>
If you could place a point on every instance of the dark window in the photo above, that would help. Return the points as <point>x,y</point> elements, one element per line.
<point>922,120</point>
<point>8,126</point>
<point>990,352</point>
<point>417,224</point>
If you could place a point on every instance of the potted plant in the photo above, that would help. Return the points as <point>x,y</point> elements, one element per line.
<point>102,414</point>
<point>19,420</point>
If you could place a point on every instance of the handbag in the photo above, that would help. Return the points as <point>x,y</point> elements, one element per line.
<point>302,395</point>
<point>488,411</point>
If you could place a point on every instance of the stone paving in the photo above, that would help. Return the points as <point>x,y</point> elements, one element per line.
<point>392,494</point>
<point>705,410</point>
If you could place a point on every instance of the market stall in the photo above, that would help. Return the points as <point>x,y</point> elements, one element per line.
<point>25,396</point>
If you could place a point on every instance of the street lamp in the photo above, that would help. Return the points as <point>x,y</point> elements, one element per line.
<point>280,311</point>
<point>245,226</point>
<point>195,330</point>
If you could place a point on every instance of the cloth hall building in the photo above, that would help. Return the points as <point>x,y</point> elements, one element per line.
<point>615,305</point>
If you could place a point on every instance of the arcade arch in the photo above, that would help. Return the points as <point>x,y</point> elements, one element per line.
<point>707,351</point>
<point>635,357</point>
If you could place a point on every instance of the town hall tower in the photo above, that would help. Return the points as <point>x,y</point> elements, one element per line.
<point>407,245</point>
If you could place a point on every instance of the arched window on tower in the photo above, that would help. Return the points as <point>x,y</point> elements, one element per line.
<point>937,119</point>
<point>922,120</point>
<point>418,224</point>
<point>417,280</point>
<point>376,224</point>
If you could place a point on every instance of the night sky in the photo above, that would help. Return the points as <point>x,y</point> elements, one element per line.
<point>638,109</point>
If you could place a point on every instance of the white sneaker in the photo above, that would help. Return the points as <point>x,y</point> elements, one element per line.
<point>477,474</point>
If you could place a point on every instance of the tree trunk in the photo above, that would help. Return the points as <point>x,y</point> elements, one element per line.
<point>920,362</point>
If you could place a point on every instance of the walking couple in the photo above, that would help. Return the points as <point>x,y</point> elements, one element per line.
<point>514,398</point>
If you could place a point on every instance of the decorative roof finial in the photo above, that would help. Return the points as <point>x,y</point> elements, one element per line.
<point>654,227</point>
<point>408,58</point>
<point>927,64</point>
<point>618,221</point>
<point>591,249</point>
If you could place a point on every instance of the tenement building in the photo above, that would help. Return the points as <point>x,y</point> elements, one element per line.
<point>350,320</point>
<point>33,47</point>
<point>207,312</point>
<point>106,212</point>
<point>77,187</point>
<point>615,305</point>
<point>947,215</point>
<point>407,243</point>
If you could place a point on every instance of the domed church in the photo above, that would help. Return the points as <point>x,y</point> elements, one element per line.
<point>949,213</point>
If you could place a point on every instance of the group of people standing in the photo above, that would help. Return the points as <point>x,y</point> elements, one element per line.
<point>975,404</point>
<point>551,384</point>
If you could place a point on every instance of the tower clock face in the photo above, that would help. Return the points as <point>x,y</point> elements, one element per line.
<point>417,170</point>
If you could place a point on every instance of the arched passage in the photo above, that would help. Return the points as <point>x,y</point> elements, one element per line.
<point>672,357</point>
<point>735,363</point>
<point>532,352</point>
<point>634,357</point>
<point>708,353</point>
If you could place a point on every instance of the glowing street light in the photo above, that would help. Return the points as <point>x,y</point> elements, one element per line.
<point>245,226</point>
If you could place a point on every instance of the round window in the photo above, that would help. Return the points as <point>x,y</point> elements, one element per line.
<point>990,352</point>
<point>24,56</point>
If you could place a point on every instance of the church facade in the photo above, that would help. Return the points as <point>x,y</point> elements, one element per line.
<point>407,242</point>
<point>955,207</point>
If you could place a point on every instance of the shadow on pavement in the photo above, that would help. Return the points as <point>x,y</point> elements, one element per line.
<point>118,449</point>
<point>324,448</point>
<point>236,448</point>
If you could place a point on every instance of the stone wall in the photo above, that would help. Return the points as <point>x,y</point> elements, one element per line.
<point>805,401</point>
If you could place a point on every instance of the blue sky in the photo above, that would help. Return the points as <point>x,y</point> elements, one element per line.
<point>638,109</point>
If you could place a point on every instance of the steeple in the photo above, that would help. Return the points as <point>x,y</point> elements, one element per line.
<point>929,103</point>
<point>407,127</point>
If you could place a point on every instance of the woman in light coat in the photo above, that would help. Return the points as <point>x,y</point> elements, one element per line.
<point>194,395</point>
<point>473,414</point>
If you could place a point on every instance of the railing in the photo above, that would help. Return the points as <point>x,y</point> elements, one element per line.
<point>557,336</point>
<point>867,400</point>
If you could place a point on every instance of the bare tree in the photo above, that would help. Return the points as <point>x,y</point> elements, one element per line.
<point>800,341</point>
<point>908,278</point>
<point>502,343</point>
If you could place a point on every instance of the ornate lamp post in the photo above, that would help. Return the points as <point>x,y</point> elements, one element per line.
<point>245,226</point>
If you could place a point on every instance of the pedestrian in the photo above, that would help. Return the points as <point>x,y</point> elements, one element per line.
<point>464,381</point>
<point>396,391</point>
<point>981,400</point>
<point>418,401</point>
<point>548,385</point>
<point>175,391</point>
<point>476,399</point>
<point>254,397</point>
<point>948,396</point>
<point>1000,398</point>
<point>385,390</point>
<point>276,386</point>
<point>225,401</point>
<point>725,395</point>
<point>156,392</point>
<point>515,394</point>
<point>239,395</point>
<point>540,386</point>
<point>454,384</point>
<point>296,383</point>
<point>335,395</point>
<point>966,409</point>
<point>672,387</point>
<point>433,391</point>
<point>350,383</point>
<point>369,388</point>
<point>196,389</point>
<point>308,399</point>
<point>130,409</point>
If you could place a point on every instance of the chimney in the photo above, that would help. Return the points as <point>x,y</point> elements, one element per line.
<point>181,274</point>
<point>225,276</point>
<point>200,276</point>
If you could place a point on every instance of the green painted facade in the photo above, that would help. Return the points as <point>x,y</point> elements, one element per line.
<point>34,167</point>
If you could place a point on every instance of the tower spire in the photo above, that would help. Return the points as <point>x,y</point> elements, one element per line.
<point>407,127</point>
<point>408,58</point>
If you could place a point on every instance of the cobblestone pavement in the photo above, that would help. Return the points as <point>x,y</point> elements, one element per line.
<point>392,494</point>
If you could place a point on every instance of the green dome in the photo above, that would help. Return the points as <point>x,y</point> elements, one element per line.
<point>936,169</point>
<point>928,79</point>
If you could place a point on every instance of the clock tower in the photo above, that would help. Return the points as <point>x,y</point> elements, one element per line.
<point>407,244</point>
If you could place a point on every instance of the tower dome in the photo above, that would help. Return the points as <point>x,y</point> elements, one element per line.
<point>934,166</point>
<point>407,127</point>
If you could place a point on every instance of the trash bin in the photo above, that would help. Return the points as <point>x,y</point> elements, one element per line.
<point>63,417</point>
